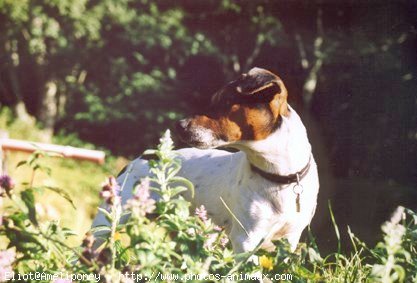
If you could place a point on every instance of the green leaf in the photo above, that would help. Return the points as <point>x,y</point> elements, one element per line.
<point>184,182</point>
<point>29,199</point>
<point>304,272</point>
<point>106,213</point>
<point>242,256</point>
<point>314,255</point>
<point>101,228</point>
<point>173,170</point>
<point>149,152</point>
<point>62,193</point>
<point>35,155</point>
<point>177,190</point>
<point>399,270</point>
<point>124,253</point>
<point>21,163</point>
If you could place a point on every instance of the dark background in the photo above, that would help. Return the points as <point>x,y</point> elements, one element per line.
<point>117,73</point>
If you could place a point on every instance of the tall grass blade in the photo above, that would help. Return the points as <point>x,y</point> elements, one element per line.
<point>336,230</point>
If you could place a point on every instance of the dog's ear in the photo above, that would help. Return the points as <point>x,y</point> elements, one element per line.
<point>256,81</point>
<point>261,82</point>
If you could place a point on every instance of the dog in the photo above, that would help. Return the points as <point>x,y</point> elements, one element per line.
<point>265,191</point>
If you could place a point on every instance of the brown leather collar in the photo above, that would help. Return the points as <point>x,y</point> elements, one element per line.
<point>284,179</point>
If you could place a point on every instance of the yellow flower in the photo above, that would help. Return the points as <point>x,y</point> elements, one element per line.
<point>266,262</point>
<point>117,236</point>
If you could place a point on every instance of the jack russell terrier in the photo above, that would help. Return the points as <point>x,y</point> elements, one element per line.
<point>270,186</point>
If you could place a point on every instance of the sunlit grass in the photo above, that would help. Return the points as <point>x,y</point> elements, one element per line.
<point>80,179</point>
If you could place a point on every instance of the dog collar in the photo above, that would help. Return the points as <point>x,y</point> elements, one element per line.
<point>284,179</point>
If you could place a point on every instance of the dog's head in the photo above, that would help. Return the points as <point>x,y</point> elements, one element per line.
<point>247,109</point>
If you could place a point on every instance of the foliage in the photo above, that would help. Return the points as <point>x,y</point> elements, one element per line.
<point>78,178</point>
<point>163,239</point>
<point>134,67</point>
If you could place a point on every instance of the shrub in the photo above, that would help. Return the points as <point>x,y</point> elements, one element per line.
<point>163,241</point>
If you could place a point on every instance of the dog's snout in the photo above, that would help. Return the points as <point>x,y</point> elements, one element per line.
<point>182,129</point>
<point>183,124</point>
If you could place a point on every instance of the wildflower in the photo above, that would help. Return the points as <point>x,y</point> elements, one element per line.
<point>141,203</point>
<point>6,184</point>
<point>201,212</point>
<point>266,262</point>
<point>191,231</point>
<point>217,228</point>
<point>117,236</point>
<point>224,240</point>
<point>7,257</point>
<point>110,191</point>
<point>210,239</point>
<point>105,256</point>
<point>88,242</point>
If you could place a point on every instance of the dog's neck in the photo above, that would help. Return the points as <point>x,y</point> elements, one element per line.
<point>284,152</point>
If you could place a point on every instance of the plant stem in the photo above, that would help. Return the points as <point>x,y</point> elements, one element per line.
<point>116,208</point>
<point>32,178</point>
<point>74,250</point>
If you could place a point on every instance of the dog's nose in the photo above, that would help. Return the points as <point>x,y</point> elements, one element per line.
<point>182,125</point>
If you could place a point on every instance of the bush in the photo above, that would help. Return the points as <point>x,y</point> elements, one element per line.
<point>162,241</point>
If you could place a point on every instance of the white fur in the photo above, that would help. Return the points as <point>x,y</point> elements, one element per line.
<point>265,209</point>
<point>206,137</point>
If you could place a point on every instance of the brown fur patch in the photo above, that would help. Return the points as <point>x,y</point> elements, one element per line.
<point>253,116</point>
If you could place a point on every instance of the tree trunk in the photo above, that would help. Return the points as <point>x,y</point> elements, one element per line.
<point>12,62</point>
<point>19,107</point>
<point>22,114</point>
<point>310,83</point>
<point>48,109</point>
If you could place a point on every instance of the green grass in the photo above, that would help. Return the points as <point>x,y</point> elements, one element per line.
<point>80,179</point>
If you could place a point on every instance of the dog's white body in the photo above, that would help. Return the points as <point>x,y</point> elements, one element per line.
<point>266,210</point>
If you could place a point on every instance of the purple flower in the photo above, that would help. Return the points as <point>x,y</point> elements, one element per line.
<point>210,240</point>
<point>223,241</point>
<point>217,228</point>
<point>6,184</point>
<point>201,212</point>
<point>104,257</point>
<point>88,240</point>
<point>7,257</point>
<point>61,280</point>
<point>110,191</point>
<point>141,203</point>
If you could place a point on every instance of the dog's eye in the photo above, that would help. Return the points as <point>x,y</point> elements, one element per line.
<point>235,107</point>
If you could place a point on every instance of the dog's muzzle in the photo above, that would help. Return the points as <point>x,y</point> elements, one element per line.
<point>182,129</point>
<point>196,135</point>
<point>186,133</point>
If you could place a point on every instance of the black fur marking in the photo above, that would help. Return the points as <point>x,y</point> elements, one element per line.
<point>122,171</point>
<point>248,84</point>
<point>149,157</point>
<point>277,124</point>
<point>229,96</point>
